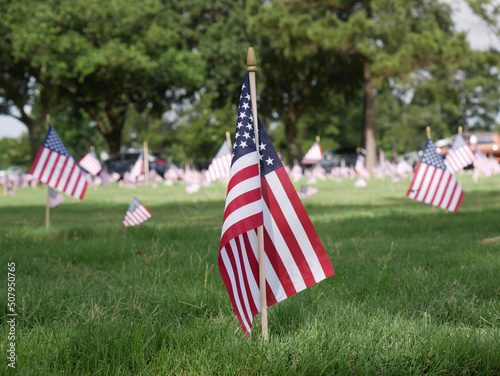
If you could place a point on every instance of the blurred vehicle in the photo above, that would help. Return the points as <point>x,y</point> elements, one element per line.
<point>337,156</point>
<point>487,142</point>
<point>123,161</point>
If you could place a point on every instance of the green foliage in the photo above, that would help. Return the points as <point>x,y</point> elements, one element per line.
<point>15,152</point>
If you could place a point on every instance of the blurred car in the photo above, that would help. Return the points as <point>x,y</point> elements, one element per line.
<point>335,157</point>
<point>487,142</point>
<point>123,162</point>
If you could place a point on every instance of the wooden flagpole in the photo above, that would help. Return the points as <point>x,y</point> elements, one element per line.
<point>47,207</point>
<point>146,163</point>
<point>428,130</point>
<point>460,130</point>
<point>252,68</point>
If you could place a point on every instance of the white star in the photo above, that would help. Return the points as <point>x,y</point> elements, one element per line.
<point>262,146</point>
<point>240,124</point>
<point>269,161</point>
<point>245,105</point>
<point>242,115</point>
<point>242,87</point>
<point>248,96</point>
<point>246,135</point>
<point>261,156</point>
<point>236,135</point>
<point>243,144</point>
<point>249,126</point>
<point>251,117</point>
<point>253,139</point>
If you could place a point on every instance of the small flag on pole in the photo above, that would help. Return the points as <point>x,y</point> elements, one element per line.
<point>220,165</point>
<point>295,257</point>
<point>55,167</point>
<point>359,167</point>
<point>90,163</point>
<point>55,198</point>
<point>306,191</point>
<point>136,213</point>
<point>313,155</point>
<point>460,155</point>
<point>433,183</point>
<point>138,168</point>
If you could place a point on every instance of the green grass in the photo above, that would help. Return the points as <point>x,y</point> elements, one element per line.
<point>416,292</point>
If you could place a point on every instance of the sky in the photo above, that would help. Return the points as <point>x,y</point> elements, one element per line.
<point>478,36</point>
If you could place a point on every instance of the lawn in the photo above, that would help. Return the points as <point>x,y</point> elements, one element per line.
<point>416,289</point>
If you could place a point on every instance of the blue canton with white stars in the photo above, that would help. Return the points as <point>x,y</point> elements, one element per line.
<point>431,157</point>
<point>458,142</point>
<point>134,204</point>
<point>53,143</point>
<point>244,138</point>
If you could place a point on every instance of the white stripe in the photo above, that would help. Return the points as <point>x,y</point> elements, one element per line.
<point>456,196</point>
<point>241,188</point>
<point>416,182</point>
<point>434,184</point>
<point>241,213</point>
<point>442,186</point>
<point>246,304</point>
<point>230,273</point>
<point>425,184</point>
<point>57,171</point>
<point>41,162</point>
<point>72,179</point>
<point>49,167</point>
<point>449,191</point>
<point>79,188</point>
<point>132,218</point>
<point>254,286</point>
<point>144,211</point>
<point>296,226</point>
<point>65,174</point>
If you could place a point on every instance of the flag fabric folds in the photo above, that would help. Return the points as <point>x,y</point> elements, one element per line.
<point>482,163</point>
<point>460,154</point>
<point>306,191</point>
<point>138,168</point>
<point>295,257</point>
<point>313,155</point>
<point>136,213</point>
<point>434,183</point>
<point>55,198</point>
<point>55,167</point>
<point>220,165</point>
<point>359,166</point>
<point>90,163</point>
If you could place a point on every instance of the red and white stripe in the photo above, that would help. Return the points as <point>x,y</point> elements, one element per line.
<point>459,158</point>
<point>219,168</point>
<point>436,187</point>
<point>59,172</point>
<point>90,163</point>
<point>313,155</point>
<point>139,215</point>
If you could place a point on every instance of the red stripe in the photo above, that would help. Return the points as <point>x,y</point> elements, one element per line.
<point>459,202</point>
<point>69,178</point>
<point>62,172</point>
<point>244,225</point>
<point>242,200</point>
<point>306,222</point>
<point>53,168</point>
<point>279,267</point>
<point>77,182</point>
<point>287,233</point>
<point>437,187</point>
<point>451,196</point>
<point>445,189</point>
<point>248,291</point>
<point>237,286</point>
<point>84,190</point>
<point>415,173</point>
<point>33,168</point>
<point>430,183</point>
<point>45,165</point>
<point>243,174</point>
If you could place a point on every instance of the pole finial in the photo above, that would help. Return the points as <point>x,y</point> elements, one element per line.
<point>92,148</point>
<point>460,130</point>
<point>317,138</point>
<point>251,60</point>
<point>428,129</point>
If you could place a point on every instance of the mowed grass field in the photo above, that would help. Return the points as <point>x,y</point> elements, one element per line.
<point>416,290</point>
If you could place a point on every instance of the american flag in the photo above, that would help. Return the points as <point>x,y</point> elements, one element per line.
<point>306,191</point>
<point>138,168</point>
<point>313,155</point>
<point>219,168</point>
<point>55,198</point>
<point>55,167</point>
<point>433,183</point>
<point>482,163</point>
<point>295,257</point>
<point>460,155</point>
<point>359,167</point>
<point>136,213</point>
<point>90,163</point>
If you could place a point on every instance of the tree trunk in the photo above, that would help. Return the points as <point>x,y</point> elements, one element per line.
<point>369,117</point>
<point>35,129</point>
<point>114,139</point>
